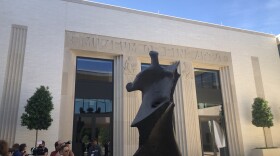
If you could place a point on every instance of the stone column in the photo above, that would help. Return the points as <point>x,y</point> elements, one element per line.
<point>118,109</point>
<point>67,96</point>
<point>233,128</point>
<point>132,101</point>
<point>12,84</point>
<point>186,113</point>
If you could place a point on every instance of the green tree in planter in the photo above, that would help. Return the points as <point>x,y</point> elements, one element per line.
<point>261,113</point>
<point>37,114</point>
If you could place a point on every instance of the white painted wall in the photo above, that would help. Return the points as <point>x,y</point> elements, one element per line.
<point>48,20</point>
<point>5,29</point>
<point>43,56</point>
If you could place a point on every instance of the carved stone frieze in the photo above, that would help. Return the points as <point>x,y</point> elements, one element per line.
<point>131,69</point>
<point>187,70</point>
<point>91,42</point>
<point>130,65</point>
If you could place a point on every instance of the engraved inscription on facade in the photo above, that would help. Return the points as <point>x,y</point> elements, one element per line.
<point>99,43</point>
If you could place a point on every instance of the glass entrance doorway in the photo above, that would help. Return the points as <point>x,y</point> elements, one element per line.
<point>92,126</point>
<point>93,108</point>
<point>211,114</point>
<point>209,132</point>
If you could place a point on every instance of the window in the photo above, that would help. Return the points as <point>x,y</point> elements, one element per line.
<point>147,65</point>
<point>208,88</point>
<point>94,86</point>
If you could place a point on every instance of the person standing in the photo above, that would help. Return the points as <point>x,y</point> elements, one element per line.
<point>21,151</point>
<point>41,150</point>
<point>56,145</point>
<point>107,146</point>
<point>64,149</point>
<point>15,147</point>
<point>70,151</point>
<point>4,148</point>
<point>94,149</point>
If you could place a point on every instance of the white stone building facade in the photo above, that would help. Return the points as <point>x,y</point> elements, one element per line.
<point>40,42</point>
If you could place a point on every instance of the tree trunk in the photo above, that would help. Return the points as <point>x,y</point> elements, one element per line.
<point>264,137</point>
<point>36,138</point>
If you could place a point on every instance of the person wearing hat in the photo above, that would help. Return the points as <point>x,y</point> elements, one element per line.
<point>94,149</point>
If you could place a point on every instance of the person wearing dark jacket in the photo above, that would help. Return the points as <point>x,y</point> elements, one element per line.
<point>94,149</point>
<point>21,151</point>
<point>41,150</point>
<point>15,147</point>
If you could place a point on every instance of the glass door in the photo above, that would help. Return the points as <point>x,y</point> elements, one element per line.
<point>103,134</point>
<point>82,133</point>
<point>92,126</point>
<point>211,114</point>
<point>208,136</point>
<point>93,107</point>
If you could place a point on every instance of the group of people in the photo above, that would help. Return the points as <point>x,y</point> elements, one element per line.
<point>20,149</point>
<point>16,150</point>
<point>61,149</point>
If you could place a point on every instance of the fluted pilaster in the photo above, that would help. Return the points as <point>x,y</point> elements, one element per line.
<point>118,124</point>
<point>179,114</point>
<point>132,101</point>
<point>12,83</point>
<point>231,113</point>
<point>190,143</point>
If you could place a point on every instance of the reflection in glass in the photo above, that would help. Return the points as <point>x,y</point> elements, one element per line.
<point>144,66</point>
<point>207,88</point>
<point>147,65</point>
<point>94,87</point>
<point>83,134</point>
<point>97,106</point>
<point>210,110</point>
<point>93,105</point>
<point>103,135</point>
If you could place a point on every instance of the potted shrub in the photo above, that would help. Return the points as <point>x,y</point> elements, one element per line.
<point>262,117</point>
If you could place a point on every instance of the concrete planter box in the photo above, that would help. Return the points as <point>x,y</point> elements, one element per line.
<point>266,152</point>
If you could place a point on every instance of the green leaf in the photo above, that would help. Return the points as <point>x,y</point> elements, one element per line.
<point>38,110</point>
<point>261,113</point>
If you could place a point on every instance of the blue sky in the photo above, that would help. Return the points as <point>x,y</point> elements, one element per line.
<point>255,15</point>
